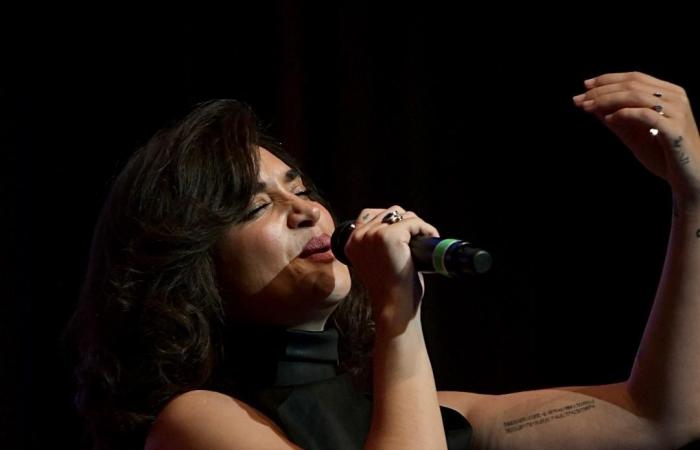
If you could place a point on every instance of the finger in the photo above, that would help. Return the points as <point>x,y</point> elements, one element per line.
<point>620,77</point>
<point>427,229</point>
<point>609,103</point>
<point>644,116</point>
<point>396,209</point>
<point>367,215</point>
<point>418,227</point>
<point>653,93</point>
<point>370,218</point>
<point>392,233</point>
<point>406,229</point>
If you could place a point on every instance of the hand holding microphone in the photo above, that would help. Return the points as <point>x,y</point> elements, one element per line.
<point>448,257</point>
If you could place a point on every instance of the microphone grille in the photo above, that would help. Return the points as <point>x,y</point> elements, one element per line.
<point>340,238</point>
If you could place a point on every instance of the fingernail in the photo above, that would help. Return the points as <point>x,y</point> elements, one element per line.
<point>589,83</point>
<point>578,98</point>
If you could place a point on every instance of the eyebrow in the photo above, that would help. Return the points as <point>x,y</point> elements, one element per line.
<point>289,176</point>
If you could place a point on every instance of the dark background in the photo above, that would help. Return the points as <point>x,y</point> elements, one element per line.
<point>461,115</point>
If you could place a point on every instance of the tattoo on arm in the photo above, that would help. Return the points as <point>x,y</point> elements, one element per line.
<point>548,416</point>
<point>683,159</point>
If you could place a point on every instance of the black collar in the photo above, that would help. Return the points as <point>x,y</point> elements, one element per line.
<point>259,357</point>
<point>309,356</point>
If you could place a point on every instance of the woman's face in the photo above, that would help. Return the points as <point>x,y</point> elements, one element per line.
<point>276,267</point>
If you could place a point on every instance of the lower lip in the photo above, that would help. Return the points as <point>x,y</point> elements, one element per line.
<point>326,257</point>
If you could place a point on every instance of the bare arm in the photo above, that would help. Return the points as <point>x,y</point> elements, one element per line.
<point>665,379</point>
<point>406,412</point>
<point>572,418</point>
<point>214,421</point>
<point>658,407</point>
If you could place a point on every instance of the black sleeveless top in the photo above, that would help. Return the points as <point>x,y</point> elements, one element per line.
<point>302,390</point>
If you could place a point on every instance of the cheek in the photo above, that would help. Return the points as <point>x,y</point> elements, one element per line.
<point>255,258</point>
<point>343,281</point>
<point>326,217</point>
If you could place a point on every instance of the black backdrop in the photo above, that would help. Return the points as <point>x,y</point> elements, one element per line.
<point>461,115</point>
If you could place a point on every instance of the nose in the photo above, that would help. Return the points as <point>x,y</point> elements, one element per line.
<point>303,213</point>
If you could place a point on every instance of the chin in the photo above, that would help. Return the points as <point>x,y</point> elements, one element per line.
<point>332,286</point>
<point>343,282</point>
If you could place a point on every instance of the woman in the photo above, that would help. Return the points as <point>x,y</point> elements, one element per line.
<point>212,306</point>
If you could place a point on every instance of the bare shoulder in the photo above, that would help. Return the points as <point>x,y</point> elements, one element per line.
<point>589,417</point>
<point>211,420</point>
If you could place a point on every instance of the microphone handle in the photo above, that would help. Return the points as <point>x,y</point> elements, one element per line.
<point>448,257</point>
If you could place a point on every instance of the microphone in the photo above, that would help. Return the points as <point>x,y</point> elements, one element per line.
<point>448,257</point>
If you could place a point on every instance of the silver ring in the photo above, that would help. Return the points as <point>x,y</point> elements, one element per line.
<point>657,94</point>
<point>392,217</point>
<point>654,132</point>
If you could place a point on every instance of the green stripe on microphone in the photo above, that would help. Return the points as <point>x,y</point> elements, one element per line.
<point>439,256</point>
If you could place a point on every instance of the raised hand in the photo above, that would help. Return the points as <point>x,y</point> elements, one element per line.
<point>654,119</point>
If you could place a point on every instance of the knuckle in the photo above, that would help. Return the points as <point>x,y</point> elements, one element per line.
<point>353,241</point>
<point>638,97</point>
<point>366,215</point>
<point>650,115</point>
<point>385,237</point>
<point>374,235</point>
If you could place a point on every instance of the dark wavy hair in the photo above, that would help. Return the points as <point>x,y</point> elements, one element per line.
<point>150,322</point>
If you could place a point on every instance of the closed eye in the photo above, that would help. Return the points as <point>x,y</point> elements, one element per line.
<point>260,207</point>
<point>255,211</point>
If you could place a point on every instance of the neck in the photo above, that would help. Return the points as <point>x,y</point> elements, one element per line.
<point>309,326</point>
<point>317,323</point>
